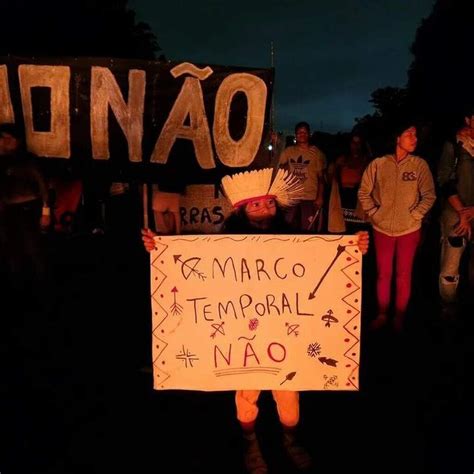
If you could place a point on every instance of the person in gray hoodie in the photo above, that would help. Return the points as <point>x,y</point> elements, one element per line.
<point>396,192</point>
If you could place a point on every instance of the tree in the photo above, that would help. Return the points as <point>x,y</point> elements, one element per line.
<point>389,102</point>
<point>440,83</point>
<point>391,105</point>
<point>105,28</point>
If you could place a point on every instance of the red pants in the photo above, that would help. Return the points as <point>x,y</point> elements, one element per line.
<point>403,248</point>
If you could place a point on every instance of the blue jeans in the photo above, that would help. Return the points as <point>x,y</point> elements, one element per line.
<point>452,249</point>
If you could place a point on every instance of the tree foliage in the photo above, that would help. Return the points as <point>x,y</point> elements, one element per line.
<point>439,91</point>
<point>440,79</point>
<point>389,101</point>
<point>105,28</point>
<point>391,105</point>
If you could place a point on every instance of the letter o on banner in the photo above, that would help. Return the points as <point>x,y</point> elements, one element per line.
<point>242,152</point>
<point>55,142</point>
<point>271,352</point>
<point>301,273</point>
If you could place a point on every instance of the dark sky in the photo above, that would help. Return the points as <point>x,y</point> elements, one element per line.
<point>329,54</point>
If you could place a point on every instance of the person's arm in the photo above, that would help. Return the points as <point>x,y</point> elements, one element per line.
<point>148,239</point>
<point>40,182</point>
<point>450,192</point>
<point>37,176</point>
<point>320,196</point>
<point>363,241</point>
<point>321,177</point>
<point>366,187</point>
<point>277,145</point>
<point>456,203</point>
<point>283,160</point>
<point>426,189</point>
<point>324,166</point>
<point>467,212</point>
<point>445,165</point>
<point>463,228</point>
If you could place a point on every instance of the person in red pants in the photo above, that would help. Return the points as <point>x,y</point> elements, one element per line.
<point>396,192</point>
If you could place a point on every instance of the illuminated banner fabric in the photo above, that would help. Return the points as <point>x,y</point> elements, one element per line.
<point>170,123</point>
<point>256,312</point>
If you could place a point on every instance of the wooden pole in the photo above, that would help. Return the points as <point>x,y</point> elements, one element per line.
<point>145,205</point>
<point>272,59</point>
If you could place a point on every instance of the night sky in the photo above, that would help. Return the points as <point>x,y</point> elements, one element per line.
<point>329,55</point>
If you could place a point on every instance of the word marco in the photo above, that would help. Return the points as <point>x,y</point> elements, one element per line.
<point>256,269</point>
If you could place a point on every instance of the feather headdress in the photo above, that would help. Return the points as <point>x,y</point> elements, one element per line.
<point>240,188</point>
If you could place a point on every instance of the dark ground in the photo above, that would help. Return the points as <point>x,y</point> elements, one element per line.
<point>77,396</point>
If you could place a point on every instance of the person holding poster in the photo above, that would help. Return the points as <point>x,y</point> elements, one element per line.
<point>258,200</point>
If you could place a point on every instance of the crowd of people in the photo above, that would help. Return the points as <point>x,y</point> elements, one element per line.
<point>388,197</point>
<point>393,197</point>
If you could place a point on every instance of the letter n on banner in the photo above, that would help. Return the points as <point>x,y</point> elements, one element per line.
<point>104,92</point>
<point>56,142</point>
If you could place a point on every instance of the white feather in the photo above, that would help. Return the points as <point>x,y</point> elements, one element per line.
<point>286,187</point>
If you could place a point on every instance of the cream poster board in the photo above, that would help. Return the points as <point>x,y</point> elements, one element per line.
<point>256,312</point>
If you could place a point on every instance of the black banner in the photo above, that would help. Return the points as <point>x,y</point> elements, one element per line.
<point>168,123</point>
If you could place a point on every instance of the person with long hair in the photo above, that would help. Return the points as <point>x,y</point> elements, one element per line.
<point>345,214</point>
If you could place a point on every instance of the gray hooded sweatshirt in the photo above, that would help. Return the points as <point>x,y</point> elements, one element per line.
<point>397,195</point>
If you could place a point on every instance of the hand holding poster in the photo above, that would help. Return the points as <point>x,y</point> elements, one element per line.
<point>256,312</point>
